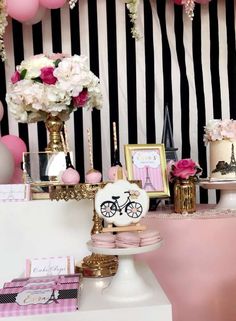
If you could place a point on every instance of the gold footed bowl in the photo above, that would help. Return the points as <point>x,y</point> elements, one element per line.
<point>98,265</point>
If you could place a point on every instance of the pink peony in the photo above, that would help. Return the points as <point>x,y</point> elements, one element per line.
<point>47,75</point>
<point>81,99</point>
<point>184,168</point>
<point>15,77</point>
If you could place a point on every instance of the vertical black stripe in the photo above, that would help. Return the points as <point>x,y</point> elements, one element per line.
<point>18,44</point>
<point>78,115</point>
<point>94,65</point>
<point>112,71</point>
<point>38,48</point>
<point>184,86</point>
<point>150,81</point>
<point>56,30</point>
<point>131,83</point>
<point>4,123</point>
<point>198,76</point>
<point>166,58</point>
<point>231,56</point>
<point>74,30</point>
<point>214,56</point>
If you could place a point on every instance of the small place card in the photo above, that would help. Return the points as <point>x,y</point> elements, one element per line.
<point>50,266</point>
<point>14,192</point>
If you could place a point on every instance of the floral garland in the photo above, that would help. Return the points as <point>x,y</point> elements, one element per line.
<point>132,6</point>
<point>3,24</point>
<point>72,3</point>
<point>189,6</point>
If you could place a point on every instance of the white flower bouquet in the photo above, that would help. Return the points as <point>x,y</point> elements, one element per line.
<point>54,84</point>
<point>217,130</point>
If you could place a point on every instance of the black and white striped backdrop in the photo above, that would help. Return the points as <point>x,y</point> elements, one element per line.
<point>188,65</point>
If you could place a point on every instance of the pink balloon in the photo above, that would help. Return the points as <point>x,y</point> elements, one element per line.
<point>16,146</point>
<point>22,10</point>
<point>17,177</point>
<point>38,17</point>
<point>1,111</point>
<point>52,4</point>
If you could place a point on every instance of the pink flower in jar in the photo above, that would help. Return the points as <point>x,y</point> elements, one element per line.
<point>47,75</point>
<point>15,77</point>
<point>184,168</point>
<point>81,99</point>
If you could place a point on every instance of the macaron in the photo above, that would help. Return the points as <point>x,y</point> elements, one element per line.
<point>106,240</point>
<point>149,237</point>
<point>127,239</point>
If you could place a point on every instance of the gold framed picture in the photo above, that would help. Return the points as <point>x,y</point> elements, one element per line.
<point>147,162</point>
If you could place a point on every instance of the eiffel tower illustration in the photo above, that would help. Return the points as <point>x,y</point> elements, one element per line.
<point>148,182</point>
<point>232,160</point>
<point>225,168</point>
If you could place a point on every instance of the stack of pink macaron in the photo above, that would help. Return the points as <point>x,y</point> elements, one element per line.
<point>127,239</point>
<point>149,237</point>
<point>106,240</point>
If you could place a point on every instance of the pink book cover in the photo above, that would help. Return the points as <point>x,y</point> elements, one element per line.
<point>68,278</point>
<point>48,296</point>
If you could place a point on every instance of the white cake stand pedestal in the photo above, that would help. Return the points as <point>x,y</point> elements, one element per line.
<point>126,285</point>
<point>227,192</point>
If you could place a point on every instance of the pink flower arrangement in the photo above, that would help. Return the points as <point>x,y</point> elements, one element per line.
<point>183,169</point>
<point>218,129</point>
<point>55,84</point>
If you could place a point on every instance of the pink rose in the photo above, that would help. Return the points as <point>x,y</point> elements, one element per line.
<point>184,168</point>
<point>81,99</point>
<point>15,77</point>
<point>47,75</point>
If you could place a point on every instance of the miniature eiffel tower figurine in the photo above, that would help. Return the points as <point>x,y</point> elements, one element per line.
<point>167,137</point>
<point>148,182</point>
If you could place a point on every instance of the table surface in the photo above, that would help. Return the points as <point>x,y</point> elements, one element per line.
<point>93,306</point>
<point>196,263</point>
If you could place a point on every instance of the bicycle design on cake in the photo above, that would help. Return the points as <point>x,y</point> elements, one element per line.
<point>132,208</point>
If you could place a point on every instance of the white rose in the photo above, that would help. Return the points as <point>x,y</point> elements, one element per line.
<point>34,64</point>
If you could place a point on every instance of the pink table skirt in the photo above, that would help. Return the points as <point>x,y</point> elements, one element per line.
<point>196,266</point>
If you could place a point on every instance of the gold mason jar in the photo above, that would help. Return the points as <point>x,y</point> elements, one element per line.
<point>185,196</point>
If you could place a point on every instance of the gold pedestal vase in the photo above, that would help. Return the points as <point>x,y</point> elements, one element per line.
<point>185,196</point>
<point>54,125</point>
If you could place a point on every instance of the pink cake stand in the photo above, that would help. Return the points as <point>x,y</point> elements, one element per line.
<point>227,192</point>
<point>127,285</point>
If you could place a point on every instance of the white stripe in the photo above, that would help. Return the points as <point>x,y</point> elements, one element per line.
<point>158,74</point>
<point>84,45</point>
<point>193,124</point>
<point>140,79</point>
<point>28,51</point>
<point>66,48</point>
<point>47,32</point>
<point>193,128</point>
<point>205,36</point>
<point>9,69</point>
<point>175,76</point>
<point>223,60</point>
<point>103,75</point>
<point>122,77</point>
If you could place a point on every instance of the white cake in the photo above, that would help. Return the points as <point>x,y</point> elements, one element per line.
<point>221,137</point>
